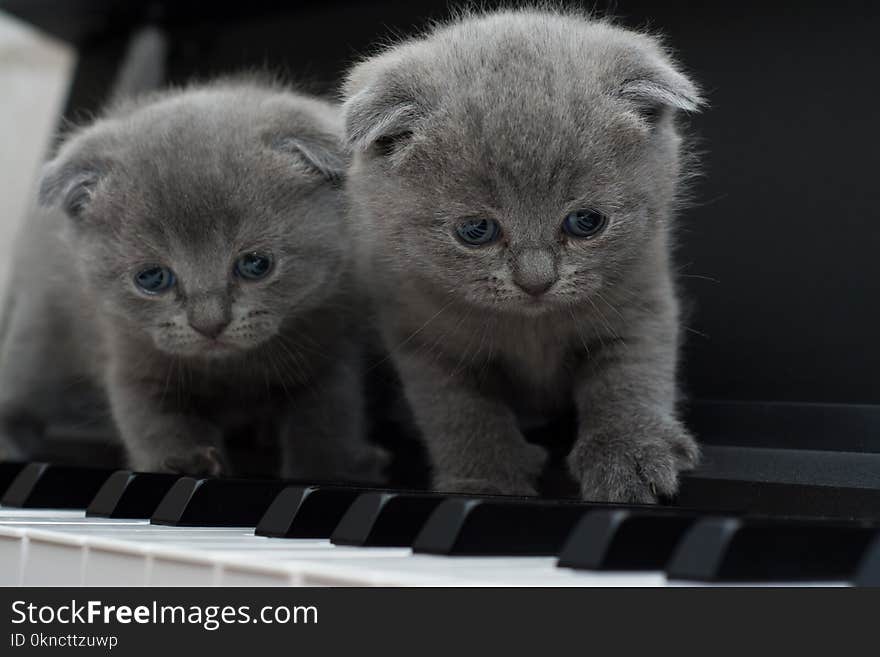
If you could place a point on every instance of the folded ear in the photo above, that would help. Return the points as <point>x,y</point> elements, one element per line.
<point>69,182</point>
<point>661,86</point>
<point>375,117</point>
<point>380,110</point>
<point>323,154</point>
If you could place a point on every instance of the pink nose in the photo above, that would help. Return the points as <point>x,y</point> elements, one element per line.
<point>210,329</point>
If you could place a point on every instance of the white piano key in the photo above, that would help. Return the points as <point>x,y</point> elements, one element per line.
<point>114,563</point>
<point>174,569</point>
<point>419,570</point>
<point>12,542</point>
<point>15,513</point>
<point>255,575</point>
<point>52,559</point>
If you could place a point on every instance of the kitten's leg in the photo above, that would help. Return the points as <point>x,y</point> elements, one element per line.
<point>159,436</point>
<point>474,441</point>
<point>630,445</point>
<point>323,434</point>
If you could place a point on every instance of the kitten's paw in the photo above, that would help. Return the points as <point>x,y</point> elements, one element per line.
<point>634,467</point>
<point>203,461</point>
<point>483,486</point>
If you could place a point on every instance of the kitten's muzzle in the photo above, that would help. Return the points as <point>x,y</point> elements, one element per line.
<point>209,315</point>
<point>534,271</point>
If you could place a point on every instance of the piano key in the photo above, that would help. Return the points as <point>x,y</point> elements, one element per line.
<point>431,570</point>
<point>306,511</point>
<point>625,539</point>
<point>825,468</point>
<point>176,555</point>
<point>8,472</point>
<point>784,482</point>
<point>385,519</point>
<point>11,539</point>
<point>53,559</point>
<point>778,499</point>
<point>868,572</point>
<point>50,486</point>
<point>14,514</point>
<point>769,550</point>
<point>128,494</point>
<point>495,527</point>
<point>216,502</point>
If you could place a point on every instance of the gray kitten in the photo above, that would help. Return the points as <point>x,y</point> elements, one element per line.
<point>516,174</point>
<point>196,273</point>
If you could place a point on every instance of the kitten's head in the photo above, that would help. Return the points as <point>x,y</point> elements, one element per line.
<point>521,160</point>
<point>206,218</point>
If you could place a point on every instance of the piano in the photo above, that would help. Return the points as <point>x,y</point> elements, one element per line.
<point>79,526</point>
<point>781,361</point>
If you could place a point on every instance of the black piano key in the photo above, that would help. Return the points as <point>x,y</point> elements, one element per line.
<point>194,502</point>
<point>50,486</point>
<point>778,498</point>
<point>769,550</point>
<point>868,572</point>
<point>128,494</point>
<point>625,539</point>
<point>495,527</point>
<point>385,519</point>
<point>8,472</point>
<point>306,511</point>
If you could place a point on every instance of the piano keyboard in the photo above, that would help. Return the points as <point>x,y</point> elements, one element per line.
<point>67,526</point>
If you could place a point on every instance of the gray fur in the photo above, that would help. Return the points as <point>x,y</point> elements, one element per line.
<point>192,179</point>
<point>523,117</point>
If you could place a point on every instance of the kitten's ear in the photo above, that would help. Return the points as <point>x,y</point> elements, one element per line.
<point>69,183</point>
<point>374,118</point>
<point>661,87</point>
<point>323,154</point>
<point>378,111</point>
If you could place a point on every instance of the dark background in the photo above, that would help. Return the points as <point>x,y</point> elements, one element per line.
<point>779,255</point>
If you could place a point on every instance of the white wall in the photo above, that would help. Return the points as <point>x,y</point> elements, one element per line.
<point>35,72</point>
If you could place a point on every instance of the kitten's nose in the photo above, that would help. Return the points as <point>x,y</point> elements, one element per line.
<point>209,315</point>
<point>534,271</point>
<point>210,329</point>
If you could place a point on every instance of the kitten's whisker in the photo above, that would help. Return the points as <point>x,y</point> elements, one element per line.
<point>466,351</point>
<point>700,276</point>
<point>695,331</point>
<point>610,305</point>
<point>608,328</point>
<point>577,328</point>
<point>280,377</point>
<point>300,375</point>
<point>412,335</point>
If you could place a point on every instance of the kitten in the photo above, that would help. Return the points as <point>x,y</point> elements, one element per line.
<point>516,174</point>
<point>192,264</point>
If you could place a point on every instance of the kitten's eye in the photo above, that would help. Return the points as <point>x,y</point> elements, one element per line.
<point>253,266</point>
<point>583,224</point>
<point>155,279</point>
<point>478,232</point>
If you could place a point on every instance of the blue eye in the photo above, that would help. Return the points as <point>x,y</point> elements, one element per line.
<point>155,279</point>
<point>584,223</point>
<point>478,232</point>
<point>253,266</point>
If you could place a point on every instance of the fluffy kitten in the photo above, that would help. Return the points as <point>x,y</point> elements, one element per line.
<point>515,175</point>
<point>196,272</point>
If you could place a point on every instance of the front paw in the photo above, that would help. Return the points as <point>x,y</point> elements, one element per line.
<point>202,461</point>
<point>636,464</point>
